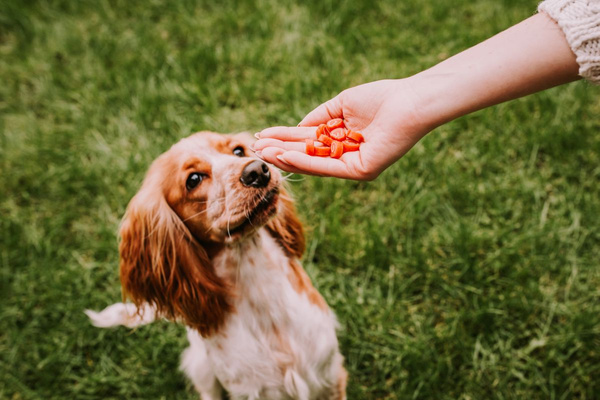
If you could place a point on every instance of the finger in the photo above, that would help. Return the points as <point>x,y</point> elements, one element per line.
<point>262,143</point>
<point>329,110</point>
<point>287,133</point>
<point>271,155</point>
<point>322,166</point>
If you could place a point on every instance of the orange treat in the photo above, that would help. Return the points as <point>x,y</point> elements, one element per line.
<point>357,137</point>
<point>326,140</point>
<point>336,140</point>
<point>335,123</point>
<point>322,130</point>
<point>350,145</point>
<point>338,134</point>
<point>310,147</point>
<point>337,149</point>
<point>322,151</point>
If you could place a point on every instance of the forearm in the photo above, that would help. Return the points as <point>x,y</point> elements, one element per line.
<point>526,58</point>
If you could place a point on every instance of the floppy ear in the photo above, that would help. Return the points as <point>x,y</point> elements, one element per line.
<point>163,265</point>
<point>286,227</point>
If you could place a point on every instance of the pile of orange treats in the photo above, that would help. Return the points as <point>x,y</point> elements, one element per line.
<point>333,139</point>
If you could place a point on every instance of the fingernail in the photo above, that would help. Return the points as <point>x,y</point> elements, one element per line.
<point>280,158</point>
<point>257,135</point>
<point>258,153</point>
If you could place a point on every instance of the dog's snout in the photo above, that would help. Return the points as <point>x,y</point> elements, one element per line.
<point>256,174</point>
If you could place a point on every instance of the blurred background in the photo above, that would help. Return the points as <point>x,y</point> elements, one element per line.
<point>468,270</point>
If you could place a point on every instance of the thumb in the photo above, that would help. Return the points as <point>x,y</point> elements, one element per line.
<point>329,110</point>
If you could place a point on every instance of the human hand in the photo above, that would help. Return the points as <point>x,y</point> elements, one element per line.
<point>393,115</point>
<point>385,112</point>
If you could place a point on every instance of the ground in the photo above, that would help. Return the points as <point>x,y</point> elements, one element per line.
<point>468,270</point>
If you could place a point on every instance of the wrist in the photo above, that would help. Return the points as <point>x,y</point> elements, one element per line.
<point>439,98</point>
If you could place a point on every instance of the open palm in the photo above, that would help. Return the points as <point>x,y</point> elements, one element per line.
<point>385,112</point>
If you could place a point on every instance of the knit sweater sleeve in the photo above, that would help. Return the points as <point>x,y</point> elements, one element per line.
<point>580,21</point>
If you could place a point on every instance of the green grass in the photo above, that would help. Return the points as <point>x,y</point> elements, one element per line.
<point>468,270</point>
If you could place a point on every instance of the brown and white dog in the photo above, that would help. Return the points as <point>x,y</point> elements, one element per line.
<point>212,240</point>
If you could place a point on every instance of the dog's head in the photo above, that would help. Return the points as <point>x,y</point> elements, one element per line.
<point>202,195</point>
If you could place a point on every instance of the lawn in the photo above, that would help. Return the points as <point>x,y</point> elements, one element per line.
<point>468,270</point>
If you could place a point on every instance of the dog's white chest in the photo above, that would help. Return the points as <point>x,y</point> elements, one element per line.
<point>276,334</point>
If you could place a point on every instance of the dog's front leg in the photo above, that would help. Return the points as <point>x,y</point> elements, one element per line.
<point>196,366</point>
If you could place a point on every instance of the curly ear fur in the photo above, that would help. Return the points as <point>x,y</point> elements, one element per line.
<point>286,227</point>
<point>163,265</point>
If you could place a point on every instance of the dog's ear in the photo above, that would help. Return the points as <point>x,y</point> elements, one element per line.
<point>161,264</point>
<point>286,227</point>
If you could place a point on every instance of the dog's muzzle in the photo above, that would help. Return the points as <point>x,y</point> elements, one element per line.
<point>256,174</point>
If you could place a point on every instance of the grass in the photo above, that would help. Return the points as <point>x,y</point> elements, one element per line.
<point>468,270</point>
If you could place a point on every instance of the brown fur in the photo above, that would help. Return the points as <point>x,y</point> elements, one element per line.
<point>342,382</point>
<point>162,263</point>
<point>286,228</point>
<point>166,262</point>
<point>302,284</point>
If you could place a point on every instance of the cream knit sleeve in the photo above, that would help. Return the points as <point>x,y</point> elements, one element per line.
<point>580,21</point>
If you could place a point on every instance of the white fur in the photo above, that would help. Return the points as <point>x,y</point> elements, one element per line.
<point>121,314</point>
<point>275,345</point>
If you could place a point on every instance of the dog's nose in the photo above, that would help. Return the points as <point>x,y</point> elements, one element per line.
<point>256,174</point>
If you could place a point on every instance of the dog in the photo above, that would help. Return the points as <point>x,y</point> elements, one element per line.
<point>212,240</point>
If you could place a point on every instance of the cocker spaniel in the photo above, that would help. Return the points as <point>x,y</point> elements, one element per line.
<point>212,240</point>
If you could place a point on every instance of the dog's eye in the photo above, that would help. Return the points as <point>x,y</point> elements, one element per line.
<point>239,151</point>
<point>193,180</point>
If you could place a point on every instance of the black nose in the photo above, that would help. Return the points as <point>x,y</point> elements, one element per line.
<point>256,174</point>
